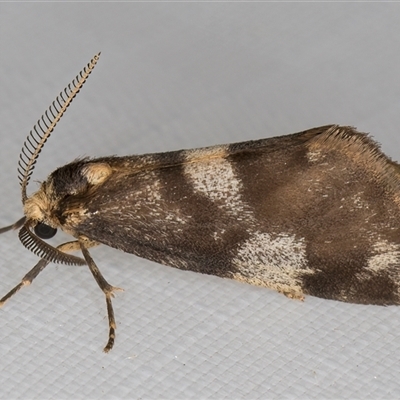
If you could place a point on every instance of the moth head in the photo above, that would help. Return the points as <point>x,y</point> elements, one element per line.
<point>40,220</point>
<point>63,191</point>
<point>37,210</point>
<point>58,197</point>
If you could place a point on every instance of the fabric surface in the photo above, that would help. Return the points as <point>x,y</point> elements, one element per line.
<point>185,75</point>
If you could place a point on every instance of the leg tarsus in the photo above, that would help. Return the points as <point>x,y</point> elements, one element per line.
<point>39,267</point>
<point>111,318</point>
<point>26,280</point>
<point>111,324</point>
<point>107,290</point>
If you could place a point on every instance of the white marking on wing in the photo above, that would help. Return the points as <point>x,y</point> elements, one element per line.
<point>217,180</point>
<point>387,255</point>
<point>281,252</point>
<point>276,261</point>
<point>314,156</point>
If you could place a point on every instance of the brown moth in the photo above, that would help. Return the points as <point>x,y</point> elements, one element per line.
<point>315,212</point>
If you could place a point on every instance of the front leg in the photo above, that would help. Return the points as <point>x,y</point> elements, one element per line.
<point>107,289</point>
<point>38,268</point>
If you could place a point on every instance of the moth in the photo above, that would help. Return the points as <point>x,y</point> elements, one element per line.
<point>311,213</point>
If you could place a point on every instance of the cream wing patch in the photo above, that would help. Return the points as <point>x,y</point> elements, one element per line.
<point>387,254</point>
<point>216,179</point>
<point>276,261</point>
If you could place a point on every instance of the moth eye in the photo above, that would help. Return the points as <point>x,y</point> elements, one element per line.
<point>44,231</point>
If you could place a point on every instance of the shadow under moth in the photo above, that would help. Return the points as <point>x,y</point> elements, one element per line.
<point>315,212</point>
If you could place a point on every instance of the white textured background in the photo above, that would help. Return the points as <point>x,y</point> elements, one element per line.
<point>173,76</point>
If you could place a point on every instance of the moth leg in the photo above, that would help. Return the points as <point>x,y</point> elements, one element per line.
<point>105,287</point>
<point>17,225</point>
<point>26,280</point>
<point>37,269</point>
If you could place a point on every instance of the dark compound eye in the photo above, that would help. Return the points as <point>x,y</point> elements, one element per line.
<point>44,231</point>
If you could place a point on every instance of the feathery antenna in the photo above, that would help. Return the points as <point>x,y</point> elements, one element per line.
<point>45,125</point>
